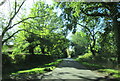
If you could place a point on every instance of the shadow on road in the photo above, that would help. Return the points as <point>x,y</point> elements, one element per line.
<point>70,70</point>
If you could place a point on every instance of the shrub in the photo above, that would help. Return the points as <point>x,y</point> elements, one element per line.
<point>6,60</point>
<point>19,59</point>
<point>85,56</point>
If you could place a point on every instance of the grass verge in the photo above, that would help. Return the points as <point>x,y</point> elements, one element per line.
<point>99,68</point>
<point>34,72</point>
<point>115,73</point>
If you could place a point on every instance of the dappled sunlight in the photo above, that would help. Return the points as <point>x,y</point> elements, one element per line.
<point>44,39</point>
<point>71,72</point>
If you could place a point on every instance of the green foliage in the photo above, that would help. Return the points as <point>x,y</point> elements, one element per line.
<point>80,39</point>
<point>42,34</point>
<point>80,42</point>
<point>109,70</point>
<point>85,56</point>
<point>7,48</point>
<point>13,63</point>
<point>96,64</point>
<point>27,74</point>
<point>87,61</point>
<point>4,48</point>
<point>40,70</point>
<point>97,27</point>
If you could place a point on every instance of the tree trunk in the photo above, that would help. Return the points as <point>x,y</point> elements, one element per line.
<point>92,46</point>
<point>31,50</point>
<point>93,52</point>
<point>116,27</point>
<point>0,44</point>
<point>42,50</point>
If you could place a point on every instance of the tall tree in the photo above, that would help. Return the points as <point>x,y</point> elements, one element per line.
<point>105,9</point>
<point>45,31</point>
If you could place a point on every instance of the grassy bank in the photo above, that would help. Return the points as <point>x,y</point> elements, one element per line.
<point>96,65</point>
<point>35,72</point>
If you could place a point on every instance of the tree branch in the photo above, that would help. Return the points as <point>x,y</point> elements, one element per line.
<point>15,5</point>
<point>89,8</point>
<point>22,21</point>
<point>98,14</point>
<point>15,14</point>
<point>6,29</point>
<point>11,36</point>
<point>10,21</point>
<point>85,27</point>
<point>95,14</point>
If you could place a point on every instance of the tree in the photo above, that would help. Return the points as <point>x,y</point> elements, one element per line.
<point>45,31</point>
<point>81,42</point>
<point>105,9</point>
<point>10,22</point>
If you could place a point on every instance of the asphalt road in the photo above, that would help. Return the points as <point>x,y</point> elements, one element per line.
<point>70,70</point>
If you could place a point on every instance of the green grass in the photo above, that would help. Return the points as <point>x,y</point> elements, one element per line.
<point>54,63</point>
<point>31,71</point>
<point>35,70</point>
<point>88,64</point>
<point>97,67</point>
<point>39,70</point>
<point>108,71</point>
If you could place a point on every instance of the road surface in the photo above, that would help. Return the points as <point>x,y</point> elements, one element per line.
<point>70,70</point>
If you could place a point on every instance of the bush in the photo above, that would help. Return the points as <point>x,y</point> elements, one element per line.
<point>7,65</point>
<point>38,59</point>
<point>19,59</point>
<point>6,60</point>
<point>85,56</point>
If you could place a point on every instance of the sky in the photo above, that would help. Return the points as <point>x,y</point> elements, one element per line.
<point>6,7</point>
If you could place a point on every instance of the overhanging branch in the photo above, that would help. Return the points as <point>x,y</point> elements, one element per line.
<point>95,14</point>
<point>15,14</point>
<point>6,29</point>
<point>85,27</point>
<point>11,36</point>
<point>10,21</point>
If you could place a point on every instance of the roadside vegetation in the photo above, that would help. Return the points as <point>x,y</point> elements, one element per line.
<point>35,72</point>
<point>34,39</point>
<point>95,65</point>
